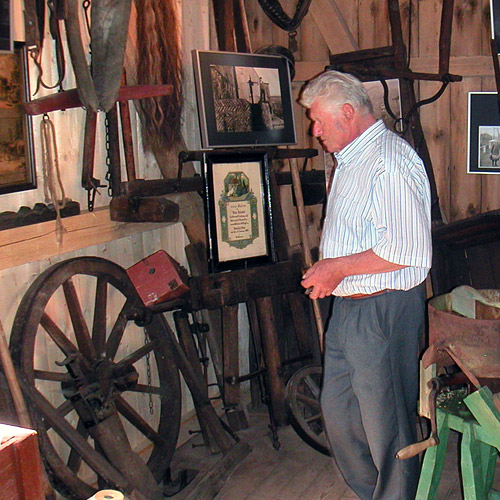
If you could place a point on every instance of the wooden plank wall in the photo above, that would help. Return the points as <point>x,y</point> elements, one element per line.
<point>444,122</point>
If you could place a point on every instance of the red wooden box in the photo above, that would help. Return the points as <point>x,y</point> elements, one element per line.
<point>20,464</point>
<point>158,278</point>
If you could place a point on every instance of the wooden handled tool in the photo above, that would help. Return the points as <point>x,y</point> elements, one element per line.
<point>433,440</point>
<point>14,387</point>
<point>306,249</point>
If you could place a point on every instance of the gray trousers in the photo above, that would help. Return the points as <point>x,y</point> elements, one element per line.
<point>370,388</point>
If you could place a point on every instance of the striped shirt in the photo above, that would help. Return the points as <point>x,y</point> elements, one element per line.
<point>380,200</point>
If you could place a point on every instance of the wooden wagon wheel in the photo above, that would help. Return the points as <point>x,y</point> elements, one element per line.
<point>302,399</point>
<point>85,383</point>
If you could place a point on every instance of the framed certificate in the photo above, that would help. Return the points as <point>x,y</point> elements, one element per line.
<point>238,210</point>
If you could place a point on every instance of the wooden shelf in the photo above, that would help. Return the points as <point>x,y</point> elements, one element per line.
<point>26,244</point>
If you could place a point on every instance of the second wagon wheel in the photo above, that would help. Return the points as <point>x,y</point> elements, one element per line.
<point>104,392</point>
<point>302,399</point>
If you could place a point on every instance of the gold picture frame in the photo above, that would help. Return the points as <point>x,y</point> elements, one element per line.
<point>17,165</point>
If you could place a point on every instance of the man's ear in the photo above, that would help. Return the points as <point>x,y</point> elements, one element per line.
<point>348,111</point>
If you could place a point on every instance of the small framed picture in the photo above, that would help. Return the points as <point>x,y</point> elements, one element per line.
<point>243,99</point>
<point>483,155</point>
<point>17,164</point>
<point>238,210</point>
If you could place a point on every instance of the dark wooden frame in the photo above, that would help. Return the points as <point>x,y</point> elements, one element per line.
<point>260,134</point>
<point>6,41</point>
<point>20,148</point>
<point>219,170</point>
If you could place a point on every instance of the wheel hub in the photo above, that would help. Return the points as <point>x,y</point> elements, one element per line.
<point>93,390</point>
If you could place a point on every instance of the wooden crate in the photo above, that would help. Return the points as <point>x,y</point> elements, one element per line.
<point>20,464</point>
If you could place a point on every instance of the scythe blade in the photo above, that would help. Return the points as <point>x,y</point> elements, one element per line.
<point>109,30</point>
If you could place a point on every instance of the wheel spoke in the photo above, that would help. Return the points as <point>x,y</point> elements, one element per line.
<point>69,434</point>
<point>137,355</point>
<point>65,408</point>
<point>116,334</point>
<point>313,403</point>
<point>314,418</point>
<point>312,385</point>
<point>99,325</point>
<point>138,422</point>
<point>53,376</point>
<point>148,389</point>
<point>58,336</point>
<point>79,324</point>
<point>74,459</point>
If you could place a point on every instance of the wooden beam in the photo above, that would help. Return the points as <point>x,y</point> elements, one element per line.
<point>331,27</point>
<point>38,241</point>
<point>460,65</point>
<point>70,98</point>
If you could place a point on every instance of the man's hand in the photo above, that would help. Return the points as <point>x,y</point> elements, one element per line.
<point>323,277</point>
<point>326,274</point>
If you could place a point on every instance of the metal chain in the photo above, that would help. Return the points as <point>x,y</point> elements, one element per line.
<point>108,176</point>
<point>148,374</point>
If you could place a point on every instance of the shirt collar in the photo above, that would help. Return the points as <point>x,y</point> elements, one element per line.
<point>358,145</point>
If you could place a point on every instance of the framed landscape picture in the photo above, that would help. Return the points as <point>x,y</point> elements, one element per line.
<point>17,167</point>
<point>243,99</point>
<point>483,151</point>
<point>238,210</point>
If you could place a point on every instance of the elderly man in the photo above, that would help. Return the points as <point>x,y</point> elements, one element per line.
<point>375,255</point>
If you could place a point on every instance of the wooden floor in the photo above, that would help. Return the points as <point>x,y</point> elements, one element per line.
<point>298,472</point>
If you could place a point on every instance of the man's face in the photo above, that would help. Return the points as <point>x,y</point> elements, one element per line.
<point>332,129</point>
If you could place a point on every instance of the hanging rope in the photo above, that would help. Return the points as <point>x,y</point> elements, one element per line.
<point>52,183</point>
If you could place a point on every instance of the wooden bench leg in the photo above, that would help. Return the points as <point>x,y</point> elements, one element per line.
<point>432,465</point>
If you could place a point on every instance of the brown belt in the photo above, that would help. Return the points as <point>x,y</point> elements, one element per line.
<point>366,295</point>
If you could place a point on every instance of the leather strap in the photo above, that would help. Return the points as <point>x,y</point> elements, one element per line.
<point>366,295</point>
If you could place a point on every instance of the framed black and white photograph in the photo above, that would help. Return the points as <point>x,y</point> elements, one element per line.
<point>243,99</point>
<point>483,155</point>
<point>17,165</point>
<point>238,210</point>
<point>6,43</point>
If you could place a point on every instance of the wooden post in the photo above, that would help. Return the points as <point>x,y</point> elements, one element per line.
<point>230,345</point>
<point>186,340</point>
<point>272,358</point>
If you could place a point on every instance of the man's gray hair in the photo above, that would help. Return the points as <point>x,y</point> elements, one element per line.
<point>335,89</point>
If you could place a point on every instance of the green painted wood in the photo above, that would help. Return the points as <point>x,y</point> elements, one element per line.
<point>432,466</point>
<point>480,444</point>
<point>489,463</point>
<point>470,462</point>
<point>482,407</point>
<point>494,495</point>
